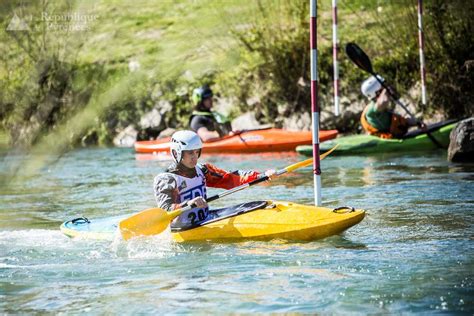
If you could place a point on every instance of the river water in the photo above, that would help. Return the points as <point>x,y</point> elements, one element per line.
<point>412,253</point>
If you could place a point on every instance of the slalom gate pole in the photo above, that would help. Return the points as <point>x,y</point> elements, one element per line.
<point>314,102</point>
<point>335,51</point>
<point>421,40</point>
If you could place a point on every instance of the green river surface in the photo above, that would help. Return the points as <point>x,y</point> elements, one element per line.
<point>413,253</point>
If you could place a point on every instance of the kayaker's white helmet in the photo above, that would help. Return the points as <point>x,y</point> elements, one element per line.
<point>371,86</point>
<point>184,140</point>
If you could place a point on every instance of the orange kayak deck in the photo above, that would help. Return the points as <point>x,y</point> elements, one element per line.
<point>267,140</point>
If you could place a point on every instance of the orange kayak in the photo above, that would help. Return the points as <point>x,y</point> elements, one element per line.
<point>266,140</point>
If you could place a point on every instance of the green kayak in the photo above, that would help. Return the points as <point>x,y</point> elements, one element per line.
<point>417,140</point>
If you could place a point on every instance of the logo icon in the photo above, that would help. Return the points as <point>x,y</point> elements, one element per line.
<point>17,24</point>
<point>182,186</point>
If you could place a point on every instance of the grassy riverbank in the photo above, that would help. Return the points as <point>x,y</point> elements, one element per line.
<point>120,59</point>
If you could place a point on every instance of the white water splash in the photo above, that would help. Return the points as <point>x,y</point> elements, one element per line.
<point>146,247</point>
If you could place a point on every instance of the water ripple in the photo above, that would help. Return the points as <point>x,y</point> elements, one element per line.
<point>413,253</point>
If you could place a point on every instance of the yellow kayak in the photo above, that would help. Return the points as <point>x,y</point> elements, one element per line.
<point>277,219</point>
<point>258,220</point>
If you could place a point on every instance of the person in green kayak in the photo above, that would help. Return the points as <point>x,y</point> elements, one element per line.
<point>378,117</point>
<point>208,124</point>
<point>185,181</point>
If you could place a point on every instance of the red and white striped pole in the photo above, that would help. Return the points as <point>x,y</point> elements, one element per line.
<point>421,40</point>
<point>335,50</point>
<point>314,102</point>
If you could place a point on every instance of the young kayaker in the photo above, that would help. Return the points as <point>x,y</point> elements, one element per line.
<point>185,181</point>
<point>208,124</point>
<point>378,117</point>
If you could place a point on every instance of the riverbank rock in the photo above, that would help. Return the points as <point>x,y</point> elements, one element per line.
<point>151,124</point>
<point>151,119</point>
<point>155,121</point>
<point>461,143</point>
<point>297,122</point>
<point>349,119</point>
<point>246,121</point>
<point>126,137</point>
<point>224,105</point>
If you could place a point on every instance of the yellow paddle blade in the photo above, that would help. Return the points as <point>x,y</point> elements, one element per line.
<point>309,161</point>
<point>300,164</point>
<point>152,221</point>
<point>321,157</point>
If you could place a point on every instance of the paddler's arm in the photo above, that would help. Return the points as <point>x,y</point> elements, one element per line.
<point>200,125</point>
<point>383,104</point>
<point>166,192</point>
<point>219,178</point>
<point>207,135</point>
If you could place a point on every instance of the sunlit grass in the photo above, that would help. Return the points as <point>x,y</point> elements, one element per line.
<point>169,36</point>
<point>168,39</point>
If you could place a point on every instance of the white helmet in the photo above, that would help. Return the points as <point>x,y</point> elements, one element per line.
<point>184,140</point>
<point>371,86</point>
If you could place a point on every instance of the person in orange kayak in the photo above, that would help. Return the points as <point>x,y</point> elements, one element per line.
<point>378,117</point>
<point>208,124</point>
<point>185,181</point>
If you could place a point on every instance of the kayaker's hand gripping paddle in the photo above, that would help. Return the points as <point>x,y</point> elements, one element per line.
<point>153,221</point>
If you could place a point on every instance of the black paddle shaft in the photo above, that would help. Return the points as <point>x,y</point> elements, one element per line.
<point>240,187</point>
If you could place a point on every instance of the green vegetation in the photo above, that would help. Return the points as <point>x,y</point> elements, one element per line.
<point>62,87</point>
<point>276,55</point>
